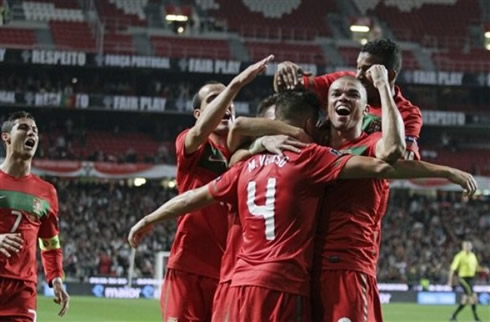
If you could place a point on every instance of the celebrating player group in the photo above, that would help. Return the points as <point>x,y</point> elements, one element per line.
<point>279,216</point>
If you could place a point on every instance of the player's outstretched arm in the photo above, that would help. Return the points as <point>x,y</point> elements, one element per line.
<point>288,76</point>
<point>213,114</point>
<point>392,145</point>
<point>366,167</point>
<point>246,127</point>
<point>406,169</point>
<point>184,203</point>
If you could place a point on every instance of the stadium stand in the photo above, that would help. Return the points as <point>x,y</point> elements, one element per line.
<point>301,53</point>
<point>254,20</point>
<point>414,20</point>
<point>191,47</point>
<point>117,15</point>
<point>73,36</point>
<point>17,37</point>
<point>52,10</point>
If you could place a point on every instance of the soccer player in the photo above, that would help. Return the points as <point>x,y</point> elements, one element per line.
<point>465,265</point>
<point>384,52</point>
<point>29,211</point>
<point>271,280</point>
<point>349,230</point>
<point>202,155</point>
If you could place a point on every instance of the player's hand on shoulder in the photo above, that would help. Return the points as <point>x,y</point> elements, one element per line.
<point>378,75</point>
<point>277,144</point>
<point>289,76</point>
<point>10,244</point>
<point>61,297</point>
<point>465,180</point>
<point>137,232</point>
<point>251,72</point>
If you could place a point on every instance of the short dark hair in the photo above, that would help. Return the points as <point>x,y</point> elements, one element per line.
<point>297,105</point>
<point>196,99</point>
<point>265,104</point>
<point>10,122</point>
<point>386,50</point>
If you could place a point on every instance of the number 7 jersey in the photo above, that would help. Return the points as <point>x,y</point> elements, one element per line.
<point>277,200</point>
<point>29,206</point>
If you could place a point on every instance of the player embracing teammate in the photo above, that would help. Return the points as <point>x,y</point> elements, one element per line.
<point>284,201</point>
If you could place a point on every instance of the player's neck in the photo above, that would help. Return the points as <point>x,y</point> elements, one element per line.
<point>218,139</point>
<point>16,167</point>
<point>339,138</point>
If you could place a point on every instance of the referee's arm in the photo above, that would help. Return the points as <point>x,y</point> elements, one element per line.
<point>453,269</point>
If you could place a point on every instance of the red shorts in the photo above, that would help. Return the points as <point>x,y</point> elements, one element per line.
<point>221,302</point>
<point>342,295</point>
<point>187,297</point>
<point>253,303</point>
<point>17,300</point>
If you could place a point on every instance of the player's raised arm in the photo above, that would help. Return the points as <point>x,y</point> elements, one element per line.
<point>184,203</point>
<point>210,117</point>
<point>392,145</point>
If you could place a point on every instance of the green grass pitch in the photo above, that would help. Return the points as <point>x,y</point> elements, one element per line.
<point>104,310</point>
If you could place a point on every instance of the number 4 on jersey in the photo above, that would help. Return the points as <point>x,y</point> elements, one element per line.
<point>266,211</point>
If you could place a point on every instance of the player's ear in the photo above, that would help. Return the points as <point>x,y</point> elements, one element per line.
<point>392,75</point>
<point>197,113</point>
<point>6,137</point>
<point>365,111</point>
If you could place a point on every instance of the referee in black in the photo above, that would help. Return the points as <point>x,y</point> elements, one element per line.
<point>465,264</point>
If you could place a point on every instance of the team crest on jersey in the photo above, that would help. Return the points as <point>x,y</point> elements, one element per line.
<point>37,206</point>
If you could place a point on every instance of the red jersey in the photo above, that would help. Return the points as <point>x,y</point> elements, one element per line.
<point>29,206</point>
<point>349,228</point>
<point>233,244</point>
<point>277,200</point>
<point>201,238</point>
<point>412,118</point>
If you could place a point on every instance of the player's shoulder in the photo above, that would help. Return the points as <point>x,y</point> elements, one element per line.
<point>43,183</point>
<point>182,134</point>
<point>314,148</point>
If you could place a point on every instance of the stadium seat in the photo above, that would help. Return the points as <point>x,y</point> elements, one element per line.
<point>180,47</point>
<point>54,10</point>
<point>300,53</point>
<point>477,60</point>
<point>73,36</point>
<point>17,38</point>
<point>118,43</point>
<point>415,22</point>
<point>119,14</point>
<point>285,20</point>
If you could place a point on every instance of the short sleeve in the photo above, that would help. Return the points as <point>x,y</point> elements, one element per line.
<point>455,263</point>
<point>225,187</point>
<point>186,160</point>
<point>326,164</point>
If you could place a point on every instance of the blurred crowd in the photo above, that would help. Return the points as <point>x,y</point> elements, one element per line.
<point>95,219</point>
<point>420,235</point>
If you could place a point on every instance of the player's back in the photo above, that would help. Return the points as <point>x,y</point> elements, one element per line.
<point>277,201</point>
<point>24,203</point>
